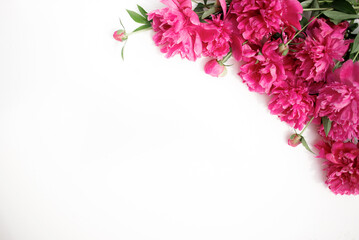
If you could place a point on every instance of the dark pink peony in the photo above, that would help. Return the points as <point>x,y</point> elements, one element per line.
<point>292,105</point>
<point>342,166</point>
<point>216,37</point>
<point>263,70</point>
<point>261,18</point>
<point>339,100</point>
<point>176,28</point>
<point>323,46</point>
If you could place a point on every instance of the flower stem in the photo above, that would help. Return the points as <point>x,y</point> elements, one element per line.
<point>228,56</point>
<point>302,29</point>
<point>322,9</point>
<point>311,120</point>
<point>355,57</point>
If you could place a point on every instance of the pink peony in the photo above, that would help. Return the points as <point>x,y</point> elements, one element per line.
<point>342,166</point>
<point>216,37</point>
<point>324,44</point>
<point>261,18</point>
<point>215,69</point>
<point>292,105</point>
<point>176,28</point>
<point>339,101</point>
<point>263,70</point>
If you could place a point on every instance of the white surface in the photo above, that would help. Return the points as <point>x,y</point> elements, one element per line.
<point>95,148</point>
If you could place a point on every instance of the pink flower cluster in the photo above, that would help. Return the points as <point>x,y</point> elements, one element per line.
<point>294,67</point>
<point>342,166</point>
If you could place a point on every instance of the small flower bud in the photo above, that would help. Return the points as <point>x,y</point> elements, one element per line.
<point>283,49</point>
<point>294,140</point>
<point>215,68</point>
<point>120,35</point>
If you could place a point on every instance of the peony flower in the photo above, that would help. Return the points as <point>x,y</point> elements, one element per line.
<point>261,18</point>
<point>215,68</point>
<point>263,70</point>
<point>216,37</point>
<point>176,28</point>
<point>120,35</point>
<point>292,105</point>
<point>339,101</point>
<point>342,166</point>
<point>323,46</point>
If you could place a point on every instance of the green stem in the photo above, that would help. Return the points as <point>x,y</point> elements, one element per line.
<point>228,56</point>
<point>302,29</point>
<point>355,57</point>
<point>311,120</point>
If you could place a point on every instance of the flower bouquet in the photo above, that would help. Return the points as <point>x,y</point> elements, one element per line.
<point>302,54</point>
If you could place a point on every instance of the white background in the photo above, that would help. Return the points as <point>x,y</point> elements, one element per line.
<point>94,148</point>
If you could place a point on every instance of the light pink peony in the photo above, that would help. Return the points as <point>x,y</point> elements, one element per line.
<point>292,105</point>
<point>176,28</point>
<point>216,37</point>
<point>339,101</point>
<point>215,69</point>
<point>261,18</point>
<point>342,166</point>
<point>263,70</point>
<point>323,46</point>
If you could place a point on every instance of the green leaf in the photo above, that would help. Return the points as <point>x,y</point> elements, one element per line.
<point>355,47</point>
<point>199,9</point>
<point>137,17</point>
<point>143,27</point>
<point>315,4</point>
<point>142,11</point>
<point>205,2</point>
<point>303,22</point>
<point>339,16</point>
<point>327,124</point>
<point>305,144</point>
<point>209,12</point>
<point>343,6</point>
<point>306,3</point>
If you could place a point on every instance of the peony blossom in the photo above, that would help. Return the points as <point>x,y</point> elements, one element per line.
<point>323,46</point>
<point>264,70</point>
<point>292,105</point>
<point>339,101</point>
<point>215,68</point>
<point>261,18</point>
<point>176,28</point>
<point>342,166</point>
<point>216,37</point>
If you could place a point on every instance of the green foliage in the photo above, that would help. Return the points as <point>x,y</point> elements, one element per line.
<point>137,17</point>
<point>306,3</point>
<point>142,11</point>
<point>305,144</point>
<point>343,6</point>
<point>327,124</point>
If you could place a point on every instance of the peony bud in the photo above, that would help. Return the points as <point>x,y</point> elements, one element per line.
<point>294,140</point>
<point>215,68</point>
<point>120,35</point>
<point>283,49</point>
